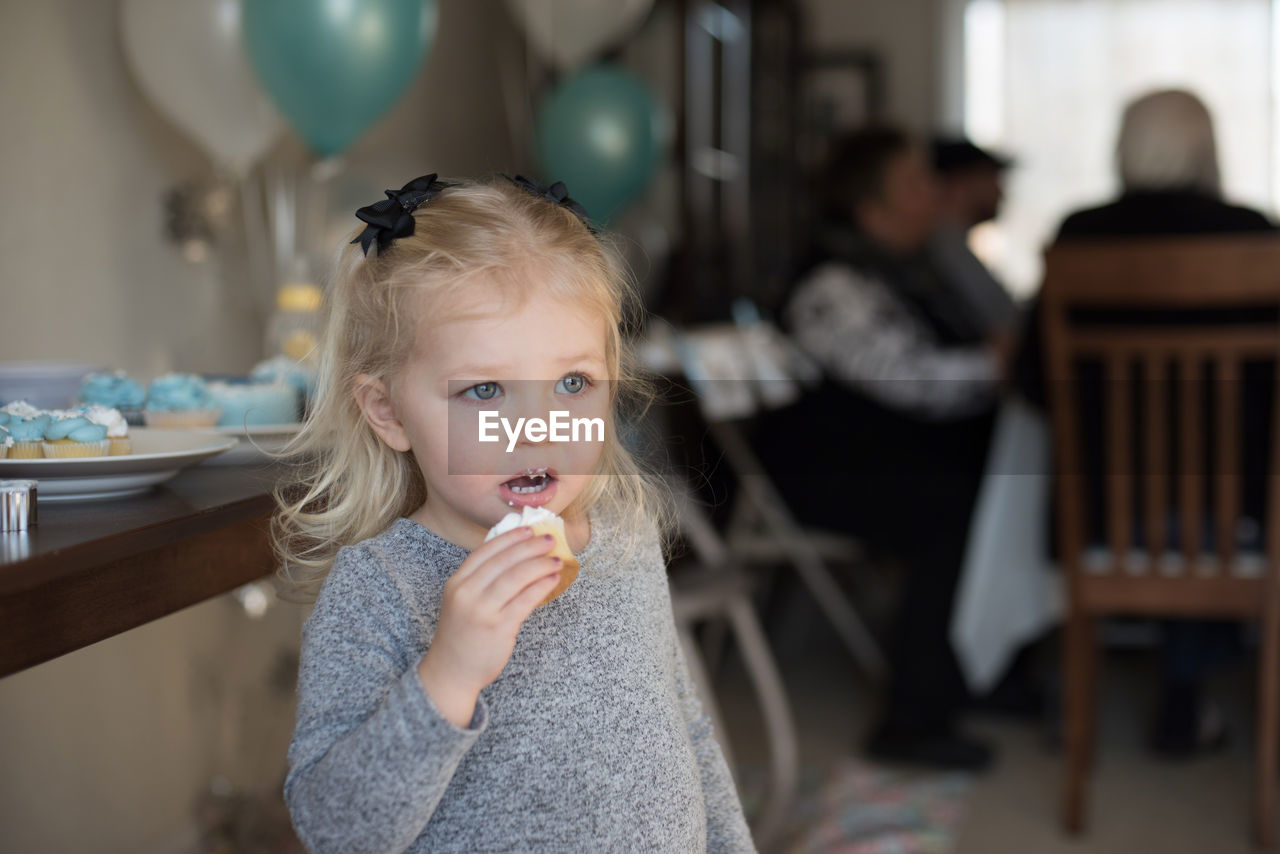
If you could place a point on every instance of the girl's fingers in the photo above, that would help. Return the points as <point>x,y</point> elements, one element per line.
<point>495,566</point>
<point>508,585</point>
<point>522,605</point>
<point>488,549</point>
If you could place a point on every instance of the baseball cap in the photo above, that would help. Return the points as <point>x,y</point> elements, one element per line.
<point>951,154</point>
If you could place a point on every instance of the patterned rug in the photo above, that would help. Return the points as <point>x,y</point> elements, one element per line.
<point>854,807</point>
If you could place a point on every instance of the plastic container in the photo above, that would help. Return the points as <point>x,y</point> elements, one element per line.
<point>294,328</point>
<point>47,385</point>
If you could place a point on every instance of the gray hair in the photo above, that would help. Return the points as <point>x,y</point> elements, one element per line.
<point>1167,143</point>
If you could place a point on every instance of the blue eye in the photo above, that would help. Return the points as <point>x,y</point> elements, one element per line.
<point>483,391</point>
<point>572,384</point>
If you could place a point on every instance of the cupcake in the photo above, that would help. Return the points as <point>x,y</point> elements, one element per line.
<point>543,521</point>
<point>73,437</point>
<point>301,376</point>
<point>117,427</point>
<point>179,400</point>
<point>28,436</point>
<point>117,391</point>
<point>245,403</point>
<point>20,409</point>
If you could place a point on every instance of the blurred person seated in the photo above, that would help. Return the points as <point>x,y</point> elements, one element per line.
<point>890,446</point>
<point>1167,161</point>
<point>970,190</point>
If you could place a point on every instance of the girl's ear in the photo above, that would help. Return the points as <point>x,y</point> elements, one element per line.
<point>372,398</point>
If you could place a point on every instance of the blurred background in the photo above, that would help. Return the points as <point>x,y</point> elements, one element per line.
<point>169,166</point>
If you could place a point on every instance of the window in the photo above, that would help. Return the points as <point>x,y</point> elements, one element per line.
<point>1046,80</point>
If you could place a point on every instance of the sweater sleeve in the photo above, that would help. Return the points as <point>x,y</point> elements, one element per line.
<point>727,829</point>
<point>371,755</point>
<point>863,336</point>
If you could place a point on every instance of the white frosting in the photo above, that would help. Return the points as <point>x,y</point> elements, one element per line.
<point>8,440</point>
<point>527,516</point>
<point>21,409</point>
<point>109,417</point>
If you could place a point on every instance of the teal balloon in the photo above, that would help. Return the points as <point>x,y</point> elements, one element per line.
<point>600,131</point>
<point>334,67</point>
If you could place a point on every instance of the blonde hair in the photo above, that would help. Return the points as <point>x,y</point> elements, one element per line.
<point>1167,143</point>
<point>349,485</point>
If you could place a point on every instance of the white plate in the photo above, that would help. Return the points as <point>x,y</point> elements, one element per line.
<point>257,443</point>
<point>261,429</point>
<point>157,456</point>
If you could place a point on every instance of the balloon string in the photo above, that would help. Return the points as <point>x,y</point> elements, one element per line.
<point>257,248</point>
<point>318,179</point>
<point>281,201</point>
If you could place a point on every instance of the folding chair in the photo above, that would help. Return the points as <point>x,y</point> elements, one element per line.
<point>737,371</point>
<point>716,588</point>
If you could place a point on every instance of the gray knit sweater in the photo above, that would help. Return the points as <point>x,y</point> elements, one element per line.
<point>591,739</point>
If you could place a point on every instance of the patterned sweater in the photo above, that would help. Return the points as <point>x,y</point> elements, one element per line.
<point>591,739</point>
<point>852,324</point>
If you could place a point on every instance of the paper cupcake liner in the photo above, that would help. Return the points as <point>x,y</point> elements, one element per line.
<point>66,450</point>
<point>27,451</point>
<point>121,446</point>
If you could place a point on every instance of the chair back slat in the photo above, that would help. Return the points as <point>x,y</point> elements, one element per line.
<point>1229,417</point>
<point>1241,341</point>
<point>1190,479</point>
<point>1066,430</point>
<point>1185,271</point>
<point>1155,496</point>
<point>1119,459</point>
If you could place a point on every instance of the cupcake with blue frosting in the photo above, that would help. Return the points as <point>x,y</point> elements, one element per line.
<point>300,376</point>
<point>70,436</point>
<point>117,427</point>
<point>180,400</point>
<point>115,391</point>
<point>246,403</point>
<point>20,409</point>
<point>27,435</point>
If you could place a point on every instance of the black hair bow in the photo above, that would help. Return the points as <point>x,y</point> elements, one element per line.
<point>557,194</point>
<point>393,216</point>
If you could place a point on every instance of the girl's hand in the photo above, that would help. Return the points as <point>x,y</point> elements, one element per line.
<point>485,603</point>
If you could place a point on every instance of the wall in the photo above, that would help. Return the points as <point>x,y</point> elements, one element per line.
<point>905,32</point>
<point>110,749</point>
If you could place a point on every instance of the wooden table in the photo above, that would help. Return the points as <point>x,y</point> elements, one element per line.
<point>93,569</point>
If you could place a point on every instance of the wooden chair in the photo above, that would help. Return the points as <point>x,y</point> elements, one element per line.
<point>1187,376</point>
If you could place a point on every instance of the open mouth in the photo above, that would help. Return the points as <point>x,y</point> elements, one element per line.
<point>527,484</point>
<point>530,485</point>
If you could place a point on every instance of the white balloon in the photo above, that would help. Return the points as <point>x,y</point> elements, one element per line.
<point>570,32</point>
<point>188,57</point>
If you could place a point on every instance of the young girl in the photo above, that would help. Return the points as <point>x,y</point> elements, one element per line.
<point>439,708</point>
